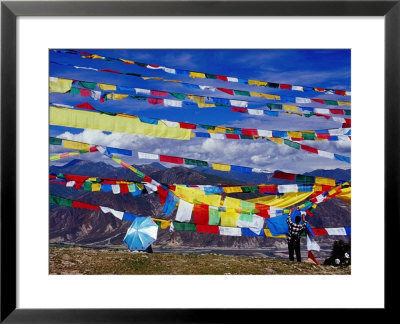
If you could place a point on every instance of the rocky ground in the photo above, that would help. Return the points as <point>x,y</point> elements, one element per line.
<point>82,260</point>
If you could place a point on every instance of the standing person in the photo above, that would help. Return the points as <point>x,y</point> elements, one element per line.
<point>293,236</point>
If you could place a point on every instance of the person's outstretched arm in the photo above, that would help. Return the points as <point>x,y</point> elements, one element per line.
<point>289,218</point>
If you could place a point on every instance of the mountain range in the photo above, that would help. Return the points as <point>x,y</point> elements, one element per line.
<point>89,227</point>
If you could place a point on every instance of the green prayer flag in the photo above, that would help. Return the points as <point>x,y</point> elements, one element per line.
<point>309,115</point>
<point>141,64</point>
<point>246,217</point>
<point>308,136</point>
<point>75,91</point>
<point>274,106</point>
<point>87,185</point>
<point>88,85</point>
<point>60,201</point>
<point>177,95</point>
<point>140,174</point>
<point>249,189</point>
<point>247,205</point>
<point>207,126</point>
<point>347,112</point>
<point>242,93</point>
<point>55,141</point>
<point>210,76</point>
<point>213,217</point>
<point>305,179</point>
<point>292,144</point>
<point>331,102</point>
<point>139,97</point>
<point>184,227</point>
<point>134,74</point>
<point>246,137</point>
<point>195,162</point>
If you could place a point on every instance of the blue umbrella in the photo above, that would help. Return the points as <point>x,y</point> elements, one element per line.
<point>141,234</point>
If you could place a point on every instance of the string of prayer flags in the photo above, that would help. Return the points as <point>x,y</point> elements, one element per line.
<point>195,98</point>
<point>306,179</point>
<point>342,134</point>
<point>204,75</point>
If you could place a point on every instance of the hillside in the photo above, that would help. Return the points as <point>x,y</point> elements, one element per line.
<point>87,227</point>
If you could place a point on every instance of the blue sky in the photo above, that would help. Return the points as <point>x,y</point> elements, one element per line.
<point>315,68</point>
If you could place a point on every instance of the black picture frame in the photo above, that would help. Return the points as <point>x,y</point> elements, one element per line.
<point>10,10</point>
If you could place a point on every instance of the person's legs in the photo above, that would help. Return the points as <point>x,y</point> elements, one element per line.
<point>291,251</point>
<point>297,249</point>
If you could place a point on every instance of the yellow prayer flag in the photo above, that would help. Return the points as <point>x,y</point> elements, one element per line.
<point>325,181</point>
<point>232,203</point>
<point>268,234</point>
<point>54,157</point>
<point>344,103</point>
<point>205,105</point>
<point>60,85</point>
<point>127,61</point>
<point>96,186</point>
<point>232,189</point>
<point>191,194</point>
<point>257,83</point>
<point>278,140</point>
<point>317,187</point>
<point>229,218</point>
<point>212,131</point>
<point>197,75</point>
<point>76,145</point>
<point>151,78</point>
<point>107,86</point>
<point>290,108</point>
<point>140,186</point>
<point>221,167</point>
<point>220,129</point>
<point>119,124</point>
<point>295,134</point>
<point>116,159</point>
<point>272,97</point>
<point>117,96</point>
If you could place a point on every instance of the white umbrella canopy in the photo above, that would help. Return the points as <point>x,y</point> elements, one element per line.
<point>141,234</point>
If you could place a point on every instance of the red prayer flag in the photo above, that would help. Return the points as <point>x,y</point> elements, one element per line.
<point>285,86</point>
<point>171,159</point>
<point>52,176</point>
<point>187,125</point>
<point>263,210</point>
<point>112,71</point>
<point>284,175</point>
<point>309,149</point>
<point>93,149</point>
<point>249,131</point>
<point>311,256</point>
<point>323,135</point>
<point>85,105</point>
<point>147,179</point>
<point>340,92</point>
<point>268,188</point>
<point>79,204</point>
<point>200,214</point>
<point>85,92</point>
<point>158,93</point>
<point>78,185</point>
<point>322,101</point>
<point>322,115</point>
<point>124,188</point>
<point>76,178</point>
<point>238,109</point>
<point>207,229</point>
<point>162,194</point>
<point>155,101</point>
<point>222,77</point>
<point>319,89</point>
<point>232,136</point>
<point>228,91</point>
<point>153,66</point>
<point>319,231</point>
<point>337,111</point>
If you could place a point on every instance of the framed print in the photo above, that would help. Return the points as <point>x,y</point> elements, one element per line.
<point>189,145</point>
